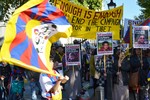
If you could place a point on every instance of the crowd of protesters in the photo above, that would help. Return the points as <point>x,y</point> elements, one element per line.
<point>121,74</point>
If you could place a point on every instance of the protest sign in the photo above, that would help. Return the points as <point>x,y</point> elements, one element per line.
<point>140,36</point>
<point>86,23</point>
<point>72,54</point>
<point>104,43</point>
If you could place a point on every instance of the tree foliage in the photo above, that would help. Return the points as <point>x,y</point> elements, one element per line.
<point>145,5</point>
<point>8,7</point>
<point>90,4</point>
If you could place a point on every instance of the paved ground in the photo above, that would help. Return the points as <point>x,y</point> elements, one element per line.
<point>27,94</point>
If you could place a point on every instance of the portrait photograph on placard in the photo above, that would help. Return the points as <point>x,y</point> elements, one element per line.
<point>140,36</point>
<point>104,43</point>
<point>72,53</point>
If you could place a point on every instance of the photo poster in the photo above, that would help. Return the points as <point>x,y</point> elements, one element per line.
<point>140,37</point>
<point>124,47</point>
<point>97,59</point>
<point>72,55</point>
<point>104,43</point>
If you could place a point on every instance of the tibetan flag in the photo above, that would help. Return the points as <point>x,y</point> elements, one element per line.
<point>145,22</point>
<point>128,36</point>
<point>29,34</point>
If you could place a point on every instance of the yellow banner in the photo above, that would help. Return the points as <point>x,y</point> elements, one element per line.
<point>86,23</point>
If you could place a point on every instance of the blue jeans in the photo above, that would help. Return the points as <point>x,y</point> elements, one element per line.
<point>14,96</point>
<point>35,86</point>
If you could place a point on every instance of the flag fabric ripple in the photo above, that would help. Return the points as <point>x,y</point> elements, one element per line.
<point>30,32</point>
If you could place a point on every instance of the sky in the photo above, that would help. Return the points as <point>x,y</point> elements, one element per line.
<point>131,8</point>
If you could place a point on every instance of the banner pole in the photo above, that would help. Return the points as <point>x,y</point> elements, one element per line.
<point>104,62</point>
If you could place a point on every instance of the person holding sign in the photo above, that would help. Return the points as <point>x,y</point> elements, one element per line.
<point>121,68</point>
<point>138,74</point>
<point>105,46</point>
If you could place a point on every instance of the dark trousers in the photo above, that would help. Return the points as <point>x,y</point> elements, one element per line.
<point>2,93</point>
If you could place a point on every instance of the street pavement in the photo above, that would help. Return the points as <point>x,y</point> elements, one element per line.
<point>27,94</point>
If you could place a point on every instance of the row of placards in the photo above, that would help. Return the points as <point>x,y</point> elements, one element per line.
<point>105,44</point>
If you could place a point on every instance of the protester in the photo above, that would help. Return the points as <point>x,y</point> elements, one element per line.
<point>148,76</point>
<point>94,75</point>
<point>121,69</point>
<point>105,46</point>
<point>85,66</point>
<point>2,89</point>
<point>51,85</point>
<point>17,83</point>
<point>5,73</point>
<point>73,86</point>
<point>59,53</point>
<point>53,50</point>
<point>34,83</point>
<point>138,74</point>
<point>109,77</point>
<point>148,56</point>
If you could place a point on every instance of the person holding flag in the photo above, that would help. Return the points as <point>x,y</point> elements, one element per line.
<point>29,34</point>
<point>51,85</point>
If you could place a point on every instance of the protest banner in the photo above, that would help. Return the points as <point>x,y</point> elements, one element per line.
<point>104,43</point>
<point>72,55</point>
<point>140,36</point>
<point>86,23</point>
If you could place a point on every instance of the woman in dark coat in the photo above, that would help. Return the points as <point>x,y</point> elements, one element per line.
<point>121,69</point>
<point>139,64</point>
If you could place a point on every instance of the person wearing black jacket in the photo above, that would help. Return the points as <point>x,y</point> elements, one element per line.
<point>140,64</point>
<point>5,72</point>
<point>121,69</point>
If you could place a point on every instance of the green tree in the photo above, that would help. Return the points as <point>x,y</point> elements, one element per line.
<point>145,5</point>
<point>90,4</point>
<point>8,7</point>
